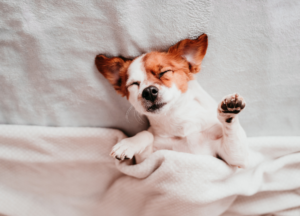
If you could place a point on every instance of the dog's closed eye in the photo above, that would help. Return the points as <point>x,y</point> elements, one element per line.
<point>162,73</point>
<point>134,83</point>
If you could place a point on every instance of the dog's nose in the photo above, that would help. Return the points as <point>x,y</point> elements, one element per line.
<point>150,93</point>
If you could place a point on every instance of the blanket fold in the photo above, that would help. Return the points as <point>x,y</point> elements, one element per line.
<point>68,171</point>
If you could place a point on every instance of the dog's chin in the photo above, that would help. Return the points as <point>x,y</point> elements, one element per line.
<point>155,108</point>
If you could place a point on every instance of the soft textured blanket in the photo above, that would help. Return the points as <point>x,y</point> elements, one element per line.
<point>67,171</point>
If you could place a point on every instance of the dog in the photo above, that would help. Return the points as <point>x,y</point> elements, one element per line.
<point>182,116</point>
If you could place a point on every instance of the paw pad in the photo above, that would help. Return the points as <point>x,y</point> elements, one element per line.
<point>232,104</point>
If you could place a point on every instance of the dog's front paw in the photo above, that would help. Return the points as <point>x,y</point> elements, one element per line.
<point>123,150</point>
<point>230,106</point>
<point>232,103</point>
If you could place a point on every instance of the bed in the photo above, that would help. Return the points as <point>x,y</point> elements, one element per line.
<point>59,117</point>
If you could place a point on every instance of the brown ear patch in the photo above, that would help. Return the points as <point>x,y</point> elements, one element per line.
<point>192,50</point>
<point>115,71</point>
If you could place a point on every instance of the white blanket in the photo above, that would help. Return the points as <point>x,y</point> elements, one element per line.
<point>68,171</point>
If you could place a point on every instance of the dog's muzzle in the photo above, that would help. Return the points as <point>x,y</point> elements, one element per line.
<point>150,93</point>
<point>151,100</point>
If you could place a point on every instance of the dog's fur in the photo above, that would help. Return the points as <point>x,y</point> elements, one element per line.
<point>182,116</point>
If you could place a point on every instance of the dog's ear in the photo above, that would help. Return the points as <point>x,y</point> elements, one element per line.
<point>192,50</point>
<point>115,71</point>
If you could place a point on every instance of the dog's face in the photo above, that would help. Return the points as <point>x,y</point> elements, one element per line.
<point>153,82</point>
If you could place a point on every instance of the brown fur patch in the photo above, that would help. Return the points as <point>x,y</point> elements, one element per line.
<point>195,49</point>
<point>158,62</point>
<point>177,138</point>
<point>181,70</point>
<point>115,71</point>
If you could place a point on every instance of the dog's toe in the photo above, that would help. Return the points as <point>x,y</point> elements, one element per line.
<point>233,104</point>
<point>122,151</point>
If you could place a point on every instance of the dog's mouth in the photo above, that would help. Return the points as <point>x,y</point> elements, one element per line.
<point>155,107</point>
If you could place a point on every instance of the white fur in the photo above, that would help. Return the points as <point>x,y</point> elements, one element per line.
<point>136,73</point>
<point>189,122</point>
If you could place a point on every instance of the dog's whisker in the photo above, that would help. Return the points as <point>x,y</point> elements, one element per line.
<point>139,118</point>
<point>134,114</point>
<point>127,113</point>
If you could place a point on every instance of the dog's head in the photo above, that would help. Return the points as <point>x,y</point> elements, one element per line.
<point>153,82</point>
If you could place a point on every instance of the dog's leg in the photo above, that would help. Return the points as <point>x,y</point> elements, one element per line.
<point>139,146</point>
<point>233,148</point>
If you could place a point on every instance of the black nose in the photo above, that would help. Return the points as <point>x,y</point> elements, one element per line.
<point>150,93</point>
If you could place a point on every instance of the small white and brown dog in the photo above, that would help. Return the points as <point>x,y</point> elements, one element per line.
<point>182,116</point>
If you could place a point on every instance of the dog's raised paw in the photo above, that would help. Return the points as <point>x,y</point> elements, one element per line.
<point>232,104</point>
